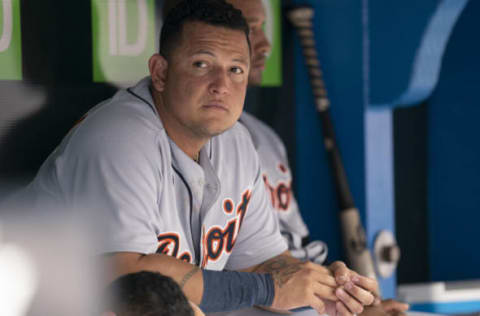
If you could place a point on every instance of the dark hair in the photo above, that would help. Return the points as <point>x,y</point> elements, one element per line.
<point>169,5</point>
<point>213,12</point>
<point>147,294</point>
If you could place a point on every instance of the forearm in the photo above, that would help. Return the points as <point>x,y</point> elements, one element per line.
<point>213,291</point>
<point>188,276</point>
<point>271,266</point>
<point>276,264</point>
<point>308,282</point>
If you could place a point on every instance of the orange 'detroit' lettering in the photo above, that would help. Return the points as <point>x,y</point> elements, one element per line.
<point>169,244</point>
<point>218,240</point>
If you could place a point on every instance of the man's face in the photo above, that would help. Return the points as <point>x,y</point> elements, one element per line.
<point>254,13</point>
<point>206,80</point>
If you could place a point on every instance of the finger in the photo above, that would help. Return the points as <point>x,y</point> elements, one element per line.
<point>324,279</point>
<point>366,283</point>
<point>318,267</point>
<point>318,305</point>
<point>324,292</point>
<point>340,271</point>
<point>351,303</point>
<point>320,274</point>
<point>364,297</point>
<point>342,310</point>
<point>393,305</point>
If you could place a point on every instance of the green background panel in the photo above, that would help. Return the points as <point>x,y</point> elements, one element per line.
<point>272,76</point>
<point>11,59</point>
<point>120,69</point>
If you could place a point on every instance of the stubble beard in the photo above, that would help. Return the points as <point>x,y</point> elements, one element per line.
<point>205,133</point>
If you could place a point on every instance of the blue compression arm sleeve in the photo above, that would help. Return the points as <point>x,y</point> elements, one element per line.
<point>230,290</point>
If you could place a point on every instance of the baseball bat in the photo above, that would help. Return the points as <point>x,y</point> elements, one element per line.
<point>353,233</point>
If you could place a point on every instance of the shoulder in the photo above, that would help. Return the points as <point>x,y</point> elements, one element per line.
<point>122,122</point>
<point>124,113</point>
<point>123,128</point>
<point>257,127</point>
<point>263,136</point>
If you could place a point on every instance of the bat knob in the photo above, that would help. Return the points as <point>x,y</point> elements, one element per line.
<point>387,253</point>
<point>391,253</point>
<point>300,15</point>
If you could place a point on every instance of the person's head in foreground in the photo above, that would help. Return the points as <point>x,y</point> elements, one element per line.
<point>199,79</point>
<point>147,294</point>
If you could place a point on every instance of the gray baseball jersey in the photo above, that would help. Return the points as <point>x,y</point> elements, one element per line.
<point>119,166</point>
<point>276,174</point>
<point>278,182</point>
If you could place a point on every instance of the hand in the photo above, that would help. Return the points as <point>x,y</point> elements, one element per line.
<point>355,292</point>
<point>393,307</point>
<point>386,308</point>
<point>299,284</point>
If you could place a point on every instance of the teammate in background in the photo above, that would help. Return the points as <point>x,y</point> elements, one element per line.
<point>174,183</point>
<point>274,161</point>
<point>147,293</point>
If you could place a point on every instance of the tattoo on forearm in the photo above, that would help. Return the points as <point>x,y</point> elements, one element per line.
<point>188,276</point>
<point>281,268</point>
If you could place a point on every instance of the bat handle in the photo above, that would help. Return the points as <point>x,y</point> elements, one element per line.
<point>356,243</point>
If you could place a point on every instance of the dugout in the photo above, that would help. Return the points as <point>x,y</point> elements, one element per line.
<point>402,78</point>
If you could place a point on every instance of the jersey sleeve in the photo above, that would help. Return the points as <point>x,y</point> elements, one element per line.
<point>259,238</point>
<point>111,179</point>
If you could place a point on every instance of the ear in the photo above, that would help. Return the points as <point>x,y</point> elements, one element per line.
<point>158,71</point>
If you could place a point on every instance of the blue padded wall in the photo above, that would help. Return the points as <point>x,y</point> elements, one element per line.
<point>454,155</point>
<point>376,56</point>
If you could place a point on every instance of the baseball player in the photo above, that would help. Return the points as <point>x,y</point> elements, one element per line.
<point>175,182</point>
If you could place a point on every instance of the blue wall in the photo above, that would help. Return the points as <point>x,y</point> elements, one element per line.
<point>454,155</point>
<point>377,56</point>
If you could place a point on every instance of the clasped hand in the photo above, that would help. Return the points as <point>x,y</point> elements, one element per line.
<point>334,290</point>
<point>353,291</point>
